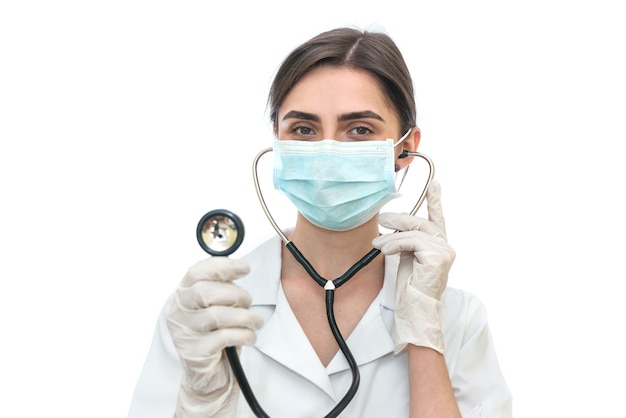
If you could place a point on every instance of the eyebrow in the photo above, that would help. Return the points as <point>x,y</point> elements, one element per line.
<point>296,114</point>
<point>366,114</point>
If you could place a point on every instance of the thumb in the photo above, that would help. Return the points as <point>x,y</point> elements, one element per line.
<point>435,212</point>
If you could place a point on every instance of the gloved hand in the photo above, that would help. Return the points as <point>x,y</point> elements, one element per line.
<point>209,313</point>
<point>425,259</point>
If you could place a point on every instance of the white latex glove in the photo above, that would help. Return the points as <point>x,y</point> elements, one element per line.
<point>209,313</point>
<point>425,259</point>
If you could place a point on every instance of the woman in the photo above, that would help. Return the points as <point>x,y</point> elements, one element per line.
<point>343,109</point>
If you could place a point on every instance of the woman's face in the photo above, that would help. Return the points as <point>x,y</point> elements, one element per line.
<point>337,103</point>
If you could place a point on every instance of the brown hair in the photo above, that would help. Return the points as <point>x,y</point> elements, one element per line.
<point>374,52</point>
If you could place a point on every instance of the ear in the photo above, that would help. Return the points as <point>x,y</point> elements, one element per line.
<point>410,144</point>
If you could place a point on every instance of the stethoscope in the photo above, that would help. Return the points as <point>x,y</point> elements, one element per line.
<point>220,233</point>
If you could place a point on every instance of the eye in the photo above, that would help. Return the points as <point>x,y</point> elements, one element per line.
<point>361,131</point>
<point>303,130</point>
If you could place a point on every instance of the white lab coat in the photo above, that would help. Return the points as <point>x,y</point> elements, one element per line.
<point>288,379</point>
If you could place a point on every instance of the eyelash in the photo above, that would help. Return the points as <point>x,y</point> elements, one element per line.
<point>298,130</point>
<point>368,131</point>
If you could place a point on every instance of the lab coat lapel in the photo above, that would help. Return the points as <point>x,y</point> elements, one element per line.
<point>371,339</point>
<point>283,340</point>
<point>281,337</point>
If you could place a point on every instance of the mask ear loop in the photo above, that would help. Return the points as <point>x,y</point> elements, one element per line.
<point>403,137</point>
<point>400,141</point>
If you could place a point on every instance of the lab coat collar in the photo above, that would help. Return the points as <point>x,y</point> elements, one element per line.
<point>282,338</point>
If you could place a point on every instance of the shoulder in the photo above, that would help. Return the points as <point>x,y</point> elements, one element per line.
<point>471,356</point>
<point>462,314</point>
<point>455,302</point>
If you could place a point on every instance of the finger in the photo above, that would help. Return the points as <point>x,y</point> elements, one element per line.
<point>234,337</point>
<point>203,294</point>
<point>216,268</point>
<point>435,211</point>
<point>406,222</point>
<point>211,319</point>
<point>412,241</point>
<point>400,221</point>
<point>216,341</point>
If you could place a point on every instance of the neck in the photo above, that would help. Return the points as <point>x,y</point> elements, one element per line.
<point>331,253</point>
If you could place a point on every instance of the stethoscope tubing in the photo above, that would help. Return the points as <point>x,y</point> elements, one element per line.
<point>246,390</point>
<point>328,285</point>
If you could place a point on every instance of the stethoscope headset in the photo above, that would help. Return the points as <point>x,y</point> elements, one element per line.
<point>220,233</point>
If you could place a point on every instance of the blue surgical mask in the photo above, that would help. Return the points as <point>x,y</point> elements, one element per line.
<point>336,185</point>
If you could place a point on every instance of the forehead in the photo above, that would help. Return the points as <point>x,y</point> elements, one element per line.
<point>338,90</point>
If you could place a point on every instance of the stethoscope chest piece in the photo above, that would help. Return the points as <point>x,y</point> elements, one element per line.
<point>220,232</point>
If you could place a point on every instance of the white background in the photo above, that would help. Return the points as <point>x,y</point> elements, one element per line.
<point>123,122</point>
